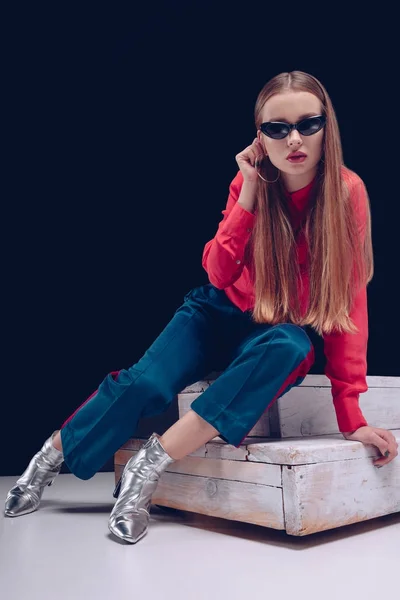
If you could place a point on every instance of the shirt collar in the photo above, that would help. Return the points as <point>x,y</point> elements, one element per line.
<point>300,198</point>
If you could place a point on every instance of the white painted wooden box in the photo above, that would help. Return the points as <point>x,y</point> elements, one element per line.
<point>298,485</point>
<point>294,471</point>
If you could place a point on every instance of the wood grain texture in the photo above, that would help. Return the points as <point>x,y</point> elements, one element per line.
<point>234,500</point>
<point>333,494</point>
<point>219,469</point>
<point>316,449</point>
<point>308,410</point>
<point>310,381</point>
<point>238,501</point>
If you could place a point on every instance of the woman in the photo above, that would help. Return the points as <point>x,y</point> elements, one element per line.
<point>293,249</point>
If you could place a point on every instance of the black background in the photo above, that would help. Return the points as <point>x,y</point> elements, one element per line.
<point>121,131</point>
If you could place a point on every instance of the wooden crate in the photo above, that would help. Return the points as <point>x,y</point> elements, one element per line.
<point>299,485</point>
<point>307,409</point>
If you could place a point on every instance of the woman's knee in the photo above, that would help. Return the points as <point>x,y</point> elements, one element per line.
<point>296,339</point>
<point>152,386</point>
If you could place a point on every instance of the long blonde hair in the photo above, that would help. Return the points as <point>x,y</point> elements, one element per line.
<point>340,248</point>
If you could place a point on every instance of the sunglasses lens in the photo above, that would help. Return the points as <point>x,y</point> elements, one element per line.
<point>277,131</point>
<point>310,126</point>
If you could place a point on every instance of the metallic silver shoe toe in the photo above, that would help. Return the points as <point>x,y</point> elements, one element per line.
<point>43,468</point>
<point>131,529</point>
<point>18,503</point>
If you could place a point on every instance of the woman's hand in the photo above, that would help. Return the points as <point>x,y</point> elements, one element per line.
<point>247,158</point>
<point>381,438</point>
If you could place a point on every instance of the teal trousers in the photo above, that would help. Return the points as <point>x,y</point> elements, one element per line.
<point>259,363</point>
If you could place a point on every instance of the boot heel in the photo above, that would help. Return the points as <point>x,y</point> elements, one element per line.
<point>52,481</point>
<point>117,488</point>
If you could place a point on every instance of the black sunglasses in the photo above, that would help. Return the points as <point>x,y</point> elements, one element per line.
<point>278,130</point>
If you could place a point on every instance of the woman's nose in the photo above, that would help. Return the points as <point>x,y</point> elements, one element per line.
<point>294,138</point>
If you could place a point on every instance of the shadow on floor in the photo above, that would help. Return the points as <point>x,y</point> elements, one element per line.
<point>248,531</point>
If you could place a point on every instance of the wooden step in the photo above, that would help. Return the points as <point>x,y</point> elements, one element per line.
<point>307,409</point>
<point>298,485</point>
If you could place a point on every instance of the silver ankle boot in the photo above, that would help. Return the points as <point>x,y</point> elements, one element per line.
<point>44,467</point>
<point>131,513</point>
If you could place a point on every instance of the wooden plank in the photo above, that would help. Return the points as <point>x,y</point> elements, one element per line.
<point>218,469</point>
<point>316,449</point>
<point>313,381</point>
<point>237,501</point>
<point>322,496</point>
<point>133,444</point>
<point>215,448</point>
<point>137,443</point>
<point>372,381</point>
<point>222,450</point>
<point>294,451</point>
<point>309,410</point>
<point>197,388</point>
<point>117,472</point>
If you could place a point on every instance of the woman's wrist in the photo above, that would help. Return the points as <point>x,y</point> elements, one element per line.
<point>248,195</point>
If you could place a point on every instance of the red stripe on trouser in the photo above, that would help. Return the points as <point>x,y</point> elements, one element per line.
<point>300,371</point>
<point>114,376</point>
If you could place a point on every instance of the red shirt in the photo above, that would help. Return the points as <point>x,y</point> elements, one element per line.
<point>346,353</point>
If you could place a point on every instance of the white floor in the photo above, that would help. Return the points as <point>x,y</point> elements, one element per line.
<point>65,551</point>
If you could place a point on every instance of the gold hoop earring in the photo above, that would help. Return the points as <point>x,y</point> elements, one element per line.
<point>261,177</point>
<point>266,180</point>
